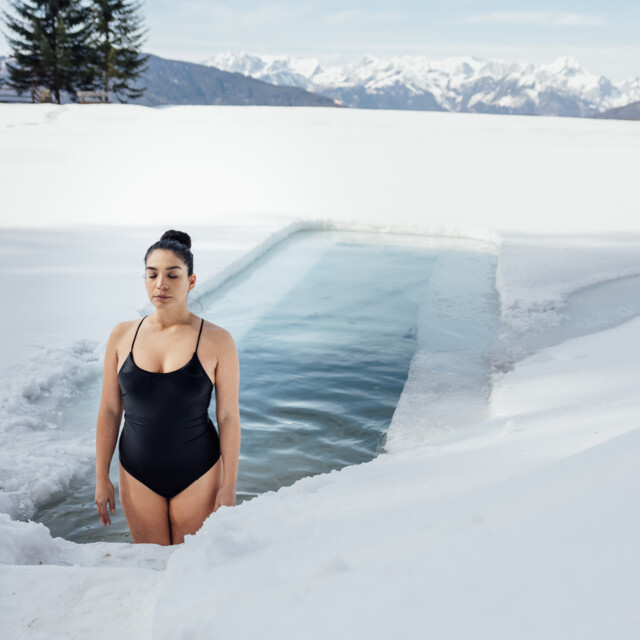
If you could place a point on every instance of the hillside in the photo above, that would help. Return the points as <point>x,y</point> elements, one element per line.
<point>178,83</point>
<point>628,112</point>
<point>172,82</point>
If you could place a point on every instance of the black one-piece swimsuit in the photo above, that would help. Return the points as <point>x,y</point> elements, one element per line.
<point>168,440</point>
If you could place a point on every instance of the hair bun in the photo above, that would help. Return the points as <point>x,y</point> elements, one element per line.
<point>178,236</point>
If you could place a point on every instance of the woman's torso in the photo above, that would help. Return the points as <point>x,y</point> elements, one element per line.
<point>166,420</point>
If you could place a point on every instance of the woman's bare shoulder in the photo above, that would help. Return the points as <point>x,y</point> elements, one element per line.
<point>216,334</point>
<point>122,329</point>
<point>124,326</point>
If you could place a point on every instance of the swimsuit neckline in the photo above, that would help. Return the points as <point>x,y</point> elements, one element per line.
<point>165,373</point>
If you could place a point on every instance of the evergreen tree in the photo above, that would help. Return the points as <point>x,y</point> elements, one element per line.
<point>49,41</point>
<point>119,34</point>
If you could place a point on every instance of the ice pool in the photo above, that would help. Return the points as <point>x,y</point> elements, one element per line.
<point>326,325</point>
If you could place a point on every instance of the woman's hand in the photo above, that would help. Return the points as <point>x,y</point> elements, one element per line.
<point>226,497</point>
<point>105,495</point>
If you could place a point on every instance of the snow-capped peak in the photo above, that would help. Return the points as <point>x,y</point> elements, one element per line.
<point>561,87</point>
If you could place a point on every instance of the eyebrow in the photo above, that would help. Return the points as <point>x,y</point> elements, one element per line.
<point>168,268</point>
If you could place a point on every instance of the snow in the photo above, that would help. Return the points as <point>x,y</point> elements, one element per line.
<point>430,170</point>
<point>524,523</point>
<point>29,543</point>
<point>516,521</point>
<point>529,268</point>
<point>51,588</point>
<point>61,602</point>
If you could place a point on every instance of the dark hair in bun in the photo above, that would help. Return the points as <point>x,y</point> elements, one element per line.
<point>177,241</point>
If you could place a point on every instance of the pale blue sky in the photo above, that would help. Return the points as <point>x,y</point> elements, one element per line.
<point>602,36</point>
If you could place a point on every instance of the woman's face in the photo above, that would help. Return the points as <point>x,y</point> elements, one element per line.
<point>166,278</point>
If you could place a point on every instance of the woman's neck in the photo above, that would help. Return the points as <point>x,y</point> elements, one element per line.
<point>170,317</point>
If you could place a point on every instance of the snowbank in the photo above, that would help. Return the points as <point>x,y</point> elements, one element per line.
<point>517,524</point>
<point>29,543</point>
<point>203,165</point>
<point>518,528</point>
<point>537,273</point>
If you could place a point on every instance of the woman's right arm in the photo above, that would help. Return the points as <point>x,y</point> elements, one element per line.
<point>109,418</point>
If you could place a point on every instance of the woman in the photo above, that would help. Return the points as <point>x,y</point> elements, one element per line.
<point>174,471</point>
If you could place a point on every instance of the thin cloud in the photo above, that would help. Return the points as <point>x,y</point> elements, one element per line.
<point>351,16</point>
<point>259,16</point>
<point>342,17</point>
<point>538,18</point>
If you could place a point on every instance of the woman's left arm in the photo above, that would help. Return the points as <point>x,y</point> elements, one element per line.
<point>228,418</point>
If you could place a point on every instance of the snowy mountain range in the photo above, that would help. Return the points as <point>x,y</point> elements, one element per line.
<point>562,88</point>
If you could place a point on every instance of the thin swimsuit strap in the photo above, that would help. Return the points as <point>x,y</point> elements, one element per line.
<point>197,343</point>
<point>141,321</point>
<point>136,334</point>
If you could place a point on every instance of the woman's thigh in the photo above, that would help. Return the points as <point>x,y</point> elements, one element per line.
<point>146,511</point>
<point>191,507</point>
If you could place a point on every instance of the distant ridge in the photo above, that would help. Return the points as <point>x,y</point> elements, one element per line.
<point>561,88</point>
<point>628,112</point>
<point>176,82</point>
<point>172,82</point>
